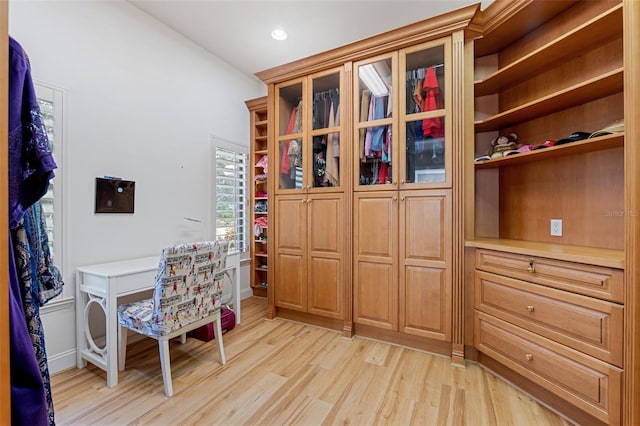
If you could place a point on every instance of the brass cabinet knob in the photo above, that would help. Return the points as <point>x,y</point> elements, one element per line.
<point>531,267</point>
<point>402,198</point>
<point>395,198</point>
<point>530,308</point>
<point>528,357</point>
<point>402,181</point>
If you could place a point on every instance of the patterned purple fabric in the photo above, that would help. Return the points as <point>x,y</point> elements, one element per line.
<point>31,162</point>
<point>31,167</point>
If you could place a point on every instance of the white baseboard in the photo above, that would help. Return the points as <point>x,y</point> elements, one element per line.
<point>62,361</point>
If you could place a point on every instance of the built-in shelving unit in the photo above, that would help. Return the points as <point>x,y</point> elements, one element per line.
<point>259,197</point>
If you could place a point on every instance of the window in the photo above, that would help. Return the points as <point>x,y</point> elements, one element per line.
<point>231,195</point>
<point>50,103</point>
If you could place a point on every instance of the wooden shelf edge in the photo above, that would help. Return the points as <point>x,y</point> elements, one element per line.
<point>588,255</point>
<point>588,145</point>
<point>590,90</point>
<point>599,29</point>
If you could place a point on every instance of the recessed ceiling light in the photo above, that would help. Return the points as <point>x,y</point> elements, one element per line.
<point>279,34</point>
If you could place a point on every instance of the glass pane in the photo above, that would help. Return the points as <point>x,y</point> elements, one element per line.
<point>290,154</point>
<point>425,80</point>
<point>425,153</point>
<point>375,155</point>
<point>374,89</point>
<point>326,101</point>
<point>290,157</point>
<point>290,109</point>
<point>326,160</point>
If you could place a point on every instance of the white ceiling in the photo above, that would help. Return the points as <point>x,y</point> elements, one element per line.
<point>238,31</point>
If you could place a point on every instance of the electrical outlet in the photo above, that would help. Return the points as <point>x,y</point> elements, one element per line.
<point>556,227</point>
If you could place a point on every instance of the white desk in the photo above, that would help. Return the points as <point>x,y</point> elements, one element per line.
<point>102,285</point>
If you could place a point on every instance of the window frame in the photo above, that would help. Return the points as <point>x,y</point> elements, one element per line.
<point>219,143</point>
<point>57,97</point>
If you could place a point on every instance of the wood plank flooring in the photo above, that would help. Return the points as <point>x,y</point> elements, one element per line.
<point>281,372</point>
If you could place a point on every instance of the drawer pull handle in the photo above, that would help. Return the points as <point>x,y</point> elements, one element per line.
<point>531,308</point>
<point>531,267</point>
<point>528,357</point>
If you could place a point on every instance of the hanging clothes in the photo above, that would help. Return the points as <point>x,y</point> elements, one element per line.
<point>31,166</point>
<point>364,113</point>
<point>433,127</point>
<point>332,173</point>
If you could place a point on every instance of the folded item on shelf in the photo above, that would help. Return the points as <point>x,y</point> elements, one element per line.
<point>264,163</point>
<point>615,127</point>
<point>573,137</point>
<point>546,144</point>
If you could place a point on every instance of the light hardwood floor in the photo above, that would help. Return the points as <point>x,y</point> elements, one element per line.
<point>281,372</point>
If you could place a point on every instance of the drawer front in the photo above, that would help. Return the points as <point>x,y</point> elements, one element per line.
<point>589,325</point>
<point>596,281</point>
<point>126,284</point>
<point>589,384</point>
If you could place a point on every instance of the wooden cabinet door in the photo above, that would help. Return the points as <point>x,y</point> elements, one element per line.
<point>375,275</point>
<point>325,255</point>
<point>425,258</point>
<point>290,270</point>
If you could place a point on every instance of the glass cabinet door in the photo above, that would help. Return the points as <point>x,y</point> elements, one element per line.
<point>424,100</point>
<point>290,138</point>
<point>374,97</point>
<point>325,130</point>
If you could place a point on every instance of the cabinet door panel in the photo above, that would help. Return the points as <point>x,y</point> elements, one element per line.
<point>375,224</point>
<point>290,286</point>
<point>375,298</point>
<point>425,303</point>
<point>326,224</point>
<point>290,223</point>
<point>425,273</point>
<point>325,287</point>
<point>326,236</point>
<point>376,266</point>
<point>290,291</point>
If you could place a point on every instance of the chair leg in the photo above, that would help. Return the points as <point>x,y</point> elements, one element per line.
<point>122,346</point>
<point>218,325</point>
<point>165,363</point>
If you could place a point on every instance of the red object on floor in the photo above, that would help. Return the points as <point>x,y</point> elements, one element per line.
<point>206,333</point>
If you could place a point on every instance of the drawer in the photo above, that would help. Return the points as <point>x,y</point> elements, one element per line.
<point>589,325</point>
<point>596,281</point>
<point>585,382</point>
<point>133,283</point>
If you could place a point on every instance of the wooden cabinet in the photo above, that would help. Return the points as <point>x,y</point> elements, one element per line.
<point>310,238</point>
<point>405,102</point>
<point>404,191</point>
<point>258,197</point>
<point>555,313</point>
<point>309,254</point>
<point>402,256</point>
<point>568,343</point>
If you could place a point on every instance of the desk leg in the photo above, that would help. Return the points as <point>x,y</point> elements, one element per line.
<point>236,287</point>
<point>112,337</point>
<point>81,301</point>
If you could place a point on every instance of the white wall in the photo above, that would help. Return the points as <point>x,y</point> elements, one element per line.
<point>141,103</point>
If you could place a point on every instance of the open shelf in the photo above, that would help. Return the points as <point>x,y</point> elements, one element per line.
<point>579,147</point>
<point>597,30</point>
<point>587,91</point>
